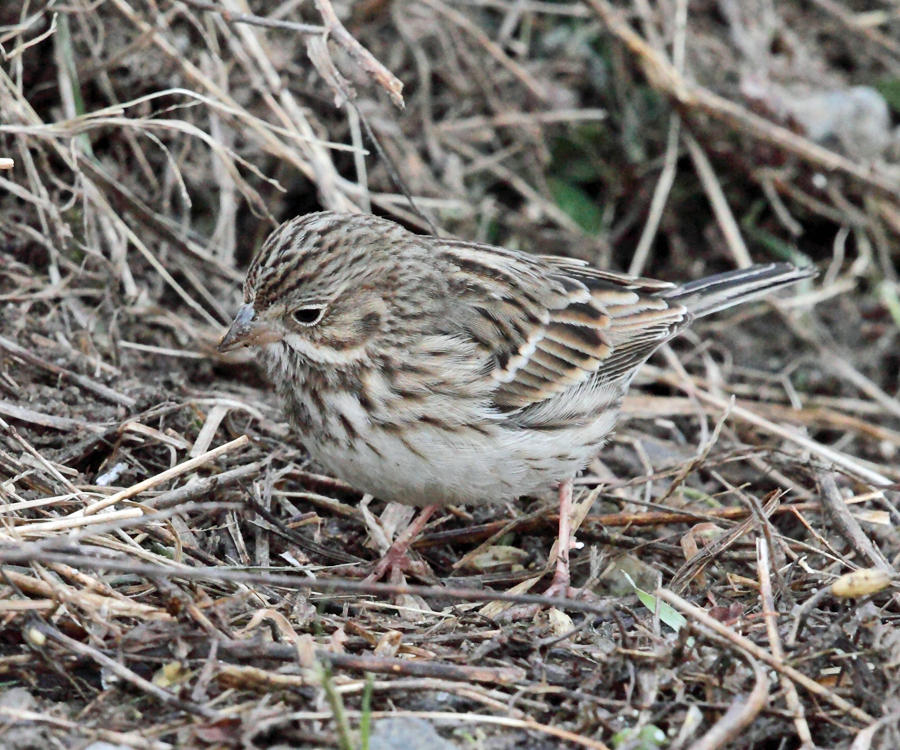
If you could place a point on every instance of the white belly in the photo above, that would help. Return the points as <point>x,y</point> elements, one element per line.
<point>425,465</point>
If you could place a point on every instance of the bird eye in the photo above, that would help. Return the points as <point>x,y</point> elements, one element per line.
<point>309,315</point>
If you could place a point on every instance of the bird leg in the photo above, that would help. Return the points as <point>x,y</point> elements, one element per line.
<point>565,542</point>
<point>396,557</point>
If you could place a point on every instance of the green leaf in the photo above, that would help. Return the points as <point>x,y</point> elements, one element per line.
<point>667,614</point>
<point>365,718</point>
<point>887,292</point>
<point>649,737</point>
<point>577,204</point>
<point>890,90</point>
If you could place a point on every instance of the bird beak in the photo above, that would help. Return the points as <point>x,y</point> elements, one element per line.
<point>247,330</point>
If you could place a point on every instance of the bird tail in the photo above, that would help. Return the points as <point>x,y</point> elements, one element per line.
<point>714,293</point>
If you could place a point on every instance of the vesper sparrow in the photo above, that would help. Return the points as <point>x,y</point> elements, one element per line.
<point>431,371</point>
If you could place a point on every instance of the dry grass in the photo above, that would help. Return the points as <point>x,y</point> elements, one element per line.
<point>173,570</point>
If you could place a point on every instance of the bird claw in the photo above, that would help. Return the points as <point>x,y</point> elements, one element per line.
<point>396,562</point>
<point>565,591</point>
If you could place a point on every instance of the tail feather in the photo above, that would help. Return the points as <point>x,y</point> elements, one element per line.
<point>714,293</point>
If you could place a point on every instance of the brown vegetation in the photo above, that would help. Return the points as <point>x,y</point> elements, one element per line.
<point>173,570</point>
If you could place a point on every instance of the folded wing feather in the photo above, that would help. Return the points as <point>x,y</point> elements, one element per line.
<point>549,324</point>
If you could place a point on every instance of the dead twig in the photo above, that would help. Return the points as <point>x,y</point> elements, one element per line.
<point>748,646</point>
<point>164,476</point>
<point>66,424</point>
<point>771,619</point>
<point>124,673</point>
<point>87,383</point>
<point>254,20</point>
<point>365,59</point>
<point>847,525</point>
<point>740,714</point>
<point>367,663</point>
<point>690,96</point>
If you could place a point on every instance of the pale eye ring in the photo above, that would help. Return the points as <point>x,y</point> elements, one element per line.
<point>308,315</point>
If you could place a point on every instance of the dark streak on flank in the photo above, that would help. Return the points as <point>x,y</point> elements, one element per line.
<point>374,450</point>
<point>352,434</point>
<point>412,449</point>
<point>363,400</point>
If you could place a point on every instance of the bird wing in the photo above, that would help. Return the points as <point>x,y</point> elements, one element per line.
<point>547,324</point>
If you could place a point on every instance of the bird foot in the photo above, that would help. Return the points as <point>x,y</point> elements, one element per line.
<point>395,562</point>
<point>562,589</point>
<point>558,589</point>
<point>561,584</point>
